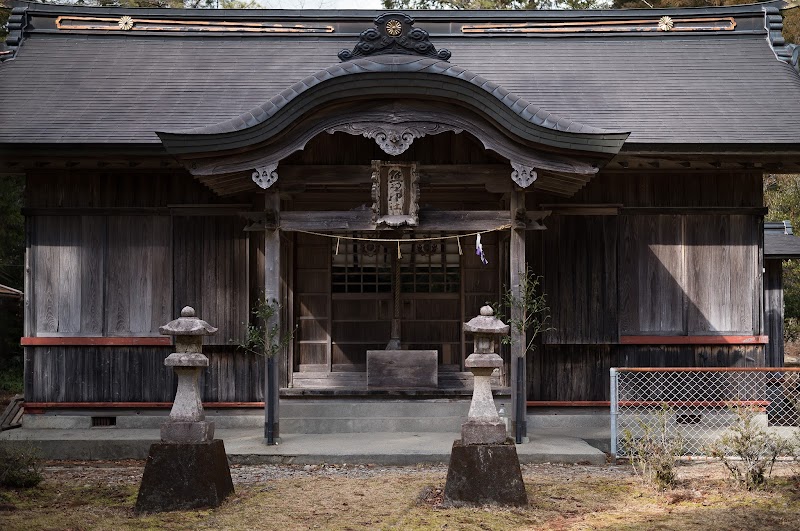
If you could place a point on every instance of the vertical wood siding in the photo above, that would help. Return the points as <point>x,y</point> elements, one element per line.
<point>136,374</point>
<point>690,274</point>
<point>100,275</point>
<point>580,278</point>
<point>210,273</point>
<point>581,372</point>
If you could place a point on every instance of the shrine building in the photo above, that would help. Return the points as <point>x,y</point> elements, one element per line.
<point>379,177</point>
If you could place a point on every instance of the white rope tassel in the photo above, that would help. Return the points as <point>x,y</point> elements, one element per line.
<point>337,246</point>
<point>460,252</point>
<point>399,254</point>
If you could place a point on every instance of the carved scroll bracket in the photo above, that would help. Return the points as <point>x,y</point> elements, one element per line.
<point>522,174</point>
<point>394,138</point>
<point>265,176</point>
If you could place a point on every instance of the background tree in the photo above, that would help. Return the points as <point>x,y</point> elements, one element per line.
<point>495,4</point>
<point>12,258</point>
<point>782,196</point>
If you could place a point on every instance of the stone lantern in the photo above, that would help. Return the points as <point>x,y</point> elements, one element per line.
<point>186,420</point>
<point>188,469</point>
<point>484,425</point>
<point>484,466</point>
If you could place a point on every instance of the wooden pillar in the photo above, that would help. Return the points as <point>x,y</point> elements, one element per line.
<point>272,294</point>
<point>518,370</point>
<point>773,311</point>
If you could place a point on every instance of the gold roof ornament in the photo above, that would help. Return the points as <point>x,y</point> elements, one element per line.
<point>394,27</point>
<point>665,24</point>
<point>125,23</point>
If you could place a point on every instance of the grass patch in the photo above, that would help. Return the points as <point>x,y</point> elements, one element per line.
<point>561,497</point>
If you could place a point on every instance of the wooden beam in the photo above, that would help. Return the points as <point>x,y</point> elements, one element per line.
<point>756,211</point>
<point>584,209</point>
<point>556,187</point>
<point>31,407</point>
<point>159,341</point>
<point>568,403</point>
<point>361,220</point>
<point>693,340</point>
<point>349,174</point>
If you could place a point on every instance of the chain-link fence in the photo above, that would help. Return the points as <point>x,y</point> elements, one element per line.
<point>698,406</point>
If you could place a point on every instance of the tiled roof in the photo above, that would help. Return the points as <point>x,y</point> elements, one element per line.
<point>722,87</point>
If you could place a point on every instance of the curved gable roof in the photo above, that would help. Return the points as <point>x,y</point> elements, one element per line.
<point>396,76</point>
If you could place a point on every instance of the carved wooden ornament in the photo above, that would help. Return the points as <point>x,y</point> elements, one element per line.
<point>395,193</point>
<point>394,33</point>
<point>265,176</point>
<point>522,174</point>
<point>394,138</point>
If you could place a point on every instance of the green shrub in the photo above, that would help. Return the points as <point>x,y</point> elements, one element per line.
<point>653,454</point>
<point>748,451</point>
<point>19,468</point>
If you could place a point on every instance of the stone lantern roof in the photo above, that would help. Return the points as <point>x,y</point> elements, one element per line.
<point>187,325</point>
<point>486,323</point>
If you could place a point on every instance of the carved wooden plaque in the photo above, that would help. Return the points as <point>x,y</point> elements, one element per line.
<point>395,193</point>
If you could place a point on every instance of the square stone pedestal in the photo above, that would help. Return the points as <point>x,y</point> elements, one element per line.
<point>184,476</point>
<point>402,369</point>
<point>485,474</point>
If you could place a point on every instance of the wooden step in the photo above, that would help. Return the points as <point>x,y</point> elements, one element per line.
<point>12,416</point>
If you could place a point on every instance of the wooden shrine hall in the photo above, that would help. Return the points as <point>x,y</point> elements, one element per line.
<point>381,176</point>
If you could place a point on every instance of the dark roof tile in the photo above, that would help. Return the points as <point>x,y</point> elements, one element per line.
<point>726,89</point>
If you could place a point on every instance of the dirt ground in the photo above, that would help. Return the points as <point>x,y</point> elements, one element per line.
<point>101,496</point>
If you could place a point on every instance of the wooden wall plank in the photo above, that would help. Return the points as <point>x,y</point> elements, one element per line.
<point>581,372</point>
<point>46,282</point>
<point>721,262</point>
<point>161,282</point>
<point>210,273</point>
<point>708,283</point>
<point>651,274</point>
<point>92,260</point>
<point>118,273</point>
<point>69,283</point>
<point>581,279</point>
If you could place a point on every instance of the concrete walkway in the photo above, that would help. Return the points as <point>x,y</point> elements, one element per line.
<point>247,446</point>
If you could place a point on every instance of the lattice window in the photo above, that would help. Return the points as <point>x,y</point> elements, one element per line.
<point>361,267</point>
<point>430,266</point>
<point>425,267</point>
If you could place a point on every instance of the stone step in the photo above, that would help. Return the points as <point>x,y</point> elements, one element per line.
<point>450,378</point>
<point>366,408</point>
<point>372,424</point>
<point>364,415</point>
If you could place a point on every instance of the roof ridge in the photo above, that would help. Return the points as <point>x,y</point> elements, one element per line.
<point>16,30</point>
<point>368,14</point>
<point>786,52</point>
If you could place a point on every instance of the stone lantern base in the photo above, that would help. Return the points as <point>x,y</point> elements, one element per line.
<point>184,476</point>
<point>484,474</point>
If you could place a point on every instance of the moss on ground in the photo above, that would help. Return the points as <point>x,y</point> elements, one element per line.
<point>560,498</point>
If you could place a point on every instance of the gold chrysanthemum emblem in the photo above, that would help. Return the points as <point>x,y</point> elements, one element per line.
<point>665,24</point>
<point>125,23</point>
<point>394,28</point>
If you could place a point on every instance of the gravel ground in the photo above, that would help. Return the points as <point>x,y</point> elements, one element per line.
<point>130,472</point>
